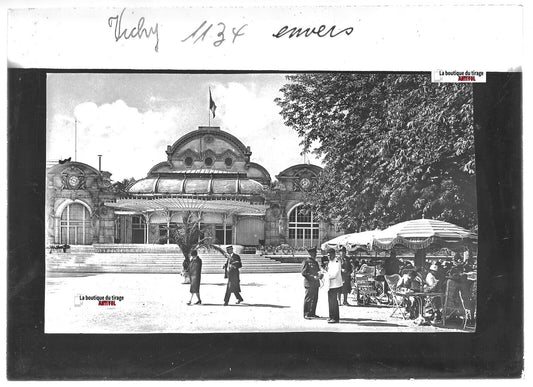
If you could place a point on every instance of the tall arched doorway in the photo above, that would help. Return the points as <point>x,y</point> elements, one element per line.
<point>76,227</point>
<point>303,228</point>
<point>138,229</point>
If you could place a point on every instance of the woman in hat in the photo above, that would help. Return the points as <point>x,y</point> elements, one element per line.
<point>195,272</point>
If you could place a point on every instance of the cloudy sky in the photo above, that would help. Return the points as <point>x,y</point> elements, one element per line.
<point>131,118</point>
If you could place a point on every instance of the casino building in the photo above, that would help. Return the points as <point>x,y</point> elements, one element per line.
<point>208,172</point>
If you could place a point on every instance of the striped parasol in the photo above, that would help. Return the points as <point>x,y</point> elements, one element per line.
<point>423,233</point>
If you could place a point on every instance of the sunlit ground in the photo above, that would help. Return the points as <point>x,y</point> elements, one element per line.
<point>155,303</point>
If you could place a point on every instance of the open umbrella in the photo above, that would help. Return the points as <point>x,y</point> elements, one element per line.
<point>352,241</point>
<point>362,239</point>
<point>424,233</point>
<point>334,243</point>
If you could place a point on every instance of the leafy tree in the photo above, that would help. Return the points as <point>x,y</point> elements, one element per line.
<point>395,146</point>
<point>189,236</point>
<point>123,185</point>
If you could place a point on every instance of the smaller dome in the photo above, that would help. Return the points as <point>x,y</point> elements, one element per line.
<point>250,187</point>
<point>144,186</point>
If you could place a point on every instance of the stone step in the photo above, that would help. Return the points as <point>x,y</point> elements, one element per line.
<point>129,269</point>
<point>158,263</point>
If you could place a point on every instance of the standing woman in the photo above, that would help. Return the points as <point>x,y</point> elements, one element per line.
<point>195,271</point>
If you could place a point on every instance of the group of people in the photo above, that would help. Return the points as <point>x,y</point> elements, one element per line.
<point>192,270</point>
<point>337,272</point>
<point>431,280</point>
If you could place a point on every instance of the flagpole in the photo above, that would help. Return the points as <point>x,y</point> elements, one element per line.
<point>75,139</point>
<point>209,107</point>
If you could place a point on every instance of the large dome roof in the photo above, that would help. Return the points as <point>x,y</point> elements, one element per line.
<point>208,185</point>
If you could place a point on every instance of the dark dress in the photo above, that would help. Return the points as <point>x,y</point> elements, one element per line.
<point>346,267</point>
<point>195,271</point>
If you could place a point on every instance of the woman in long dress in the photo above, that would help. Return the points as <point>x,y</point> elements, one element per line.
<point>195,272</point>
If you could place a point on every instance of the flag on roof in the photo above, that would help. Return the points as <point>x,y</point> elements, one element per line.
<point>212,105</point>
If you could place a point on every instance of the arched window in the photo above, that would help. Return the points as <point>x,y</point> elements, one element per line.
<point>76,228</point>
<point>303,229</point>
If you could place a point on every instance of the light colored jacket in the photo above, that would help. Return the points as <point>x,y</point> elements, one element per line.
<point>334,274</point>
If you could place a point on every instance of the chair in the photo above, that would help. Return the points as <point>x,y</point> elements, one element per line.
<point>392,281</point>
<point>364,281</point>
<point>454,302</point>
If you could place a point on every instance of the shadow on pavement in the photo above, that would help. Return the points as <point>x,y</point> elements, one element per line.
<point>376,324</point>
<point>368,322</point>
<point>225,283</point>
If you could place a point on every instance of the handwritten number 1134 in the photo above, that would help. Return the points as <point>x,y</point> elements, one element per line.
<point>201,32</point>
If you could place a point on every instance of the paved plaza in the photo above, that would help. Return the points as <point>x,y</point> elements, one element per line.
<point>156,303</point>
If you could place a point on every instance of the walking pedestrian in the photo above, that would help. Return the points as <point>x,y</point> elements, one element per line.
<point>195,273</point>
<point>310,272</point>
<point>231,272</point>
<point>335,285</point>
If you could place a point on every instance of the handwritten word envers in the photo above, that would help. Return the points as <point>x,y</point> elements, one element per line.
<point>322,32</point>
<point>138,31</point>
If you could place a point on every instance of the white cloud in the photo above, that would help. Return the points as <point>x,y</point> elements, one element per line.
<point>131,142</point>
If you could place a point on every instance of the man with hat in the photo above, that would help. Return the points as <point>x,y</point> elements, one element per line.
<point>310,272</point>
<point>231,272</point>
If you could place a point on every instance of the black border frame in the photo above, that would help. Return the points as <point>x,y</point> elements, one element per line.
<point>495,350</point>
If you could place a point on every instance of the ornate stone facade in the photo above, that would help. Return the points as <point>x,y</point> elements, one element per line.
<point>208,171</point>
<point>84,190</point>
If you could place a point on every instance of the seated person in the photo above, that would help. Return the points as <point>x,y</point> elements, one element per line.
<point>363,267</point>
<point>457,273</point>
<point>391,265</point>
<point>406,267</point>
<point>410,282</point>
<point>434,281</point>
<point>434,284</point>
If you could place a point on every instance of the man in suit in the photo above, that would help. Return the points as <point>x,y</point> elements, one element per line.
<point>231,272</point>
<point>310,272</point>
